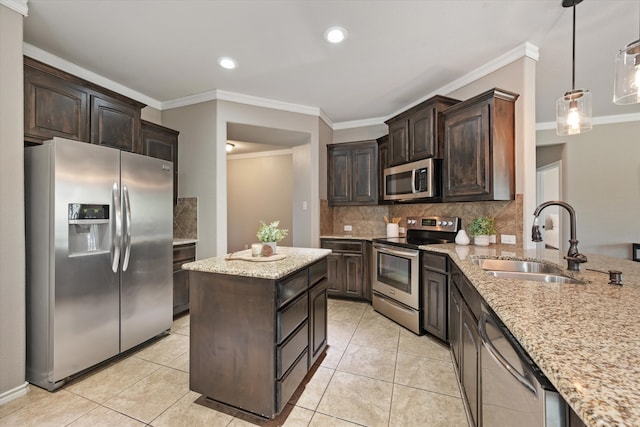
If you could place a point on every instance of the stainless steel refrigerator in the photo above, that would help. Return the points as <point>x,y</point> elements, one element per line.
<point>99,255</point>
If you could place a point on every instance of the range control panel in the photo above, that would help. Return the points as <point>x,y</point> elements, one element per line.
<point>434,223</point>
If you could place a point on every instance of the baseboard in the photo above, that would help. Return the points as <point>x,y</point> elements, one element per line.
<point>14,393</point>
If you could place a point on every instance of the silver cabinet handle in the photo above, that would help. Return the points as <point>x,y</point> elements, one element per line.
<point>127,227</point>
<point>116,227</point>
<point>499,358</point>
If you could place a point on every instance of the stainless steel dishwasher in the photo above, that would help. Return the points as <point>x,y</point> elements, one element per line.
<point>514,390</point>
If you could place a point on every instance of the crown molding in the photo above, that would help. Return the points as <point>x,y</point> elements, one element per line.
<point>19,6</point>
<point>601,120</point>
<point>83,73</point>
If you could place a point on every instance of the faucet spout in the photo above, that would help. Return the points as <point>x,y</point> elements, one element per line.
<point>574,257</point>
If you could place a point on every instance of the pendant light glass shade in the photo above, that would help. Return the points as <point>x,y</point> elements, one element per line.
<point>573,109</point>
<point>627,75</point>
<point>573,112</point>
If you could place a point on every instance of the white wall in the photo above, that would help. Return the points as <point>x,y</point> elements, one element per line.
<point>197,170</point>
<point>260,189</point>
<point>601,171</point>
<point>12,250</point>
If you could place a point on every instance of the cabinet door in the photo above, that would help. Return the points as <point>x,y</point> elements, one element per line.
<point>365,178</point>
<point>334,273</point>
<point>470,354</point>
<point>455,324</point>
<point>353,278</point>
<point>317,320</point>
<point>467,159</point>
<point>398,142</point>
<point>339,176</point>
<point>180,290</point>
<point>383,162</point>
<point>422,135</point>
<point>434,301</point>
<point>114,123</point>
<point>162,143</point>
<point>54,107</point>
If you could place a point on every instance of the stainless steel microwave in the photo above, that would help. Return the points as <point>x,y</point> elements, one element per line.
<point>416,180</point>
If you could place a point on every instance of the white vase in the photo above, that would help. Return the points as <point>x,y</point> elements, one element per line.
<point>462,238</point>
<point>481,240</point>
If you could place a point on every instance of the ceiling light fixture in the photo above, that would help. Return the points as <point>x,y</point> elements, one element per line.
<point>626,86</point>
<point>228,63</point>
<point>573,109</point>
<point>335,35</point>
<point>230,147</point>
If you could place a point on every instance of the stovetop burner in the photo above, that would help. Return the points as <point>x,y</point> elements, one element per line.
<point>426,231</point>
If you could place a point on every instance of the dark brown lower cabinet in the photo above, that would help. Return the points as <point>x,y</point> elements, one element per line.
<point>435,289</point>
<point>181,255</point>
<point>252,339</point>
<point>469,377</point>
<point>348,268</point>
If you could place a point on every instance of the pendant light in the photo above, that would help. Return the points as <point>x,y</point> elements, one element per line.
<point>627,75</point>
<point>573,109</point>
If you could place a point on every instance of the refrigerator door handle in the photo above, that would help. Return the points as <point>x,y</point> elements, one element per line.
<point>126,205</point>
<point>116,228</point>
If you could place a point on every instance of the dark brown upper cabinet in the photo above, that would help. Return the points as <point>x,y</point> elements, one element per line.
<point>60,104</point>
<point>162,143</point>
<point>352,177</point>
<point>416,134</point>
<point>383,162</point>
<point>479,144</point>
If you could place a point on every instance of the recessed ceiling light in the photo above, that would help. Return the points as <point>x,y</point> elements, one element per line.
<point>335,34</point>
<point>228,63</point>
<point>230,147</point>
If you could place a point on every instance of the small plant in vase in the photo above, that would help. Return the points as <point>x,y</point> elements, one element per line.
<point>480,229</point>
<point>269,235</point>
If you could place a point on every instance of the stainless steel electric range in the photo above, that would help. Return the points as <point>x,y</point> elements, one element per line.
<point>396,274</point>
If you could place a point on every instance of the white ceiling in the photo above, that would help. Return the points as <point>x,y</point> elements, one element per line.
<point>397,51</point>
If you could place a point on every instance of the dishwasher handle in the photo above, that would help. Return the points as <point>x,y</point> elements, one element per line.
<point>499,358</point>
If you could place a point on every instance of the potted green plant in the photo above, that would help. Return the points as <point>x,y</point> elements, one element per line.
<point>270,234</point>
<point>480,229</point>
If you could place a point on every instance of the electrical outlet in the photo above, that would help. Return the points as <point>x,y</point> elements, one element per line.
<point>348,228</point>
<point>492,238</point>
<point>508,239</point>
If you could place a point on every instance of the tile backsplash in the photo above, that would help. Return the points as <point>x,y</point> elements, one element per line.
<point>185,218</point>
<point>369,220</point>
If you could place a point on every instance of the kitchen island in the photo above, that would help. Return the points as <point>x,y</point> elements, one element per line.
<point>584,337</point>
<point>256,328</point>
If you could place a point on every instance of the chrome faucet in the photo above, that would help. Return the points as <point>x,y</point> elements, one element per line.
<point>574,258</point>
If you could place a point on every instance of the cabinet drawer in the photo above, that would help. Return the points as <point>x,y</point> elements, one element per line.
<point>434,262</point>
<point>289,288</point>
<point>291,349</point>
<point>289,384</point>
<point>317,271</point>
<point>292,316</point>
<point>184,253</point>
<point>343,245</point>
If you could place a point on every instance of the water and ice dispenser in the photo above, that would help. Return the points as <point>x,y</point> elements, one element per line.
<point>88,229</point>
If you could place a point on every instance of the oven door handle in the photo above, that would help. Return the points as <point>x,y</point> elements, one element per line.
<point>386,250</point>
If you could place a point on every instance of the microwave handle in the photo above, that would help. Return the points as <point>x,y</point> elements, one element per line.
<point>413,181</point>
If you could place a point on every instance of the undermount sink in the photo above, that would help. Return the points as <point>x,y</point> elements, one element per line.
<point>516,266</point>
<point>524,270</point>
<point>536,277</point>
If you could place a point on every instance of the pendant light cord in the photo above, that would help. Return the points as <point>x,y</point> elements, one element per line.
<point>573,53</point>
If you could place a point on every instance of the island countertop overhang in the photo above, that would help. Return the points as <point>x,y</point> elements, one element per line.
<point>295,259</point>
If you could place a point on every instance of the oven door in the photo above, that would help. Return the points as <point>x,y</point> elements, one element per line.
<point>397,274</point>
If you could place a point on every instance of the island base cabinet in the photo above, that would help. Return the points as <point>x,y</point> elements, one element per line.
<point>253,340</point>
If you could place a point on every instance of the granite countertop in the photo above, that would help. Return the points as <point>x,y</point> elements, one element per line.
<point>584,337</point>
<point>178,242</point>
<point>296,258</point>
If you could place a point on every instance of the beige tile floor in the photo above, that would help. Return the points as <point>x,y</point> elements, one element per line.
<point>375,373</point>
